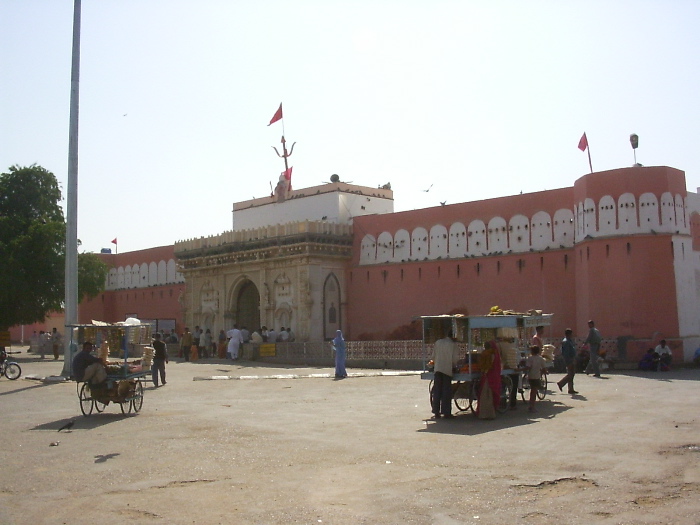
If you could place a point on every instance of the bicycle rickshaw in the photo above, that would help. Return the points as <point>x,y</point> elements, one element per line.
<point>510,330</point>
<point>124,384</point>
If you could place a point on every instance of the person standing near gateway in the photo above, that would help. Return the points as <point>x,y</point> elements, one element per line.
<point>445,356</point>
<point>186,344</point>
<point>235,340</point>
<point>568,352</point>
<point>339,349</point>
<point>160,358</point>
<point>593,341</point>
<point>56,340</point>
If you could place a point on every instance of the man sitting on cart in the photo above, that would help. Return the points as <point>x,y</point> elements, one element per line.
<point>87,367</point>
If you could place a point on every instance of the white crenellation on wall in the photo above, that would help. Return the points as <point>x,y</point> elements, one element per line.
<point>626,215</point>
<point>144,275</point>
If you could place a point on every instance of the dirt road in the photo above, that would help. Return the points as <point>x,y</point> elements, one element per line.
<point>359,450</point>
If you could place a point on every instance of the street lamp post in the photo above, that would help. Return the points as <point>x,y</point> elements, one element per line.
<point>71,278</point>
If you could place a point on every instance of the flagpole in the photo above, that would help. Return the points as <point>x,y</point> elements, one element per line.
<point>588,149</point>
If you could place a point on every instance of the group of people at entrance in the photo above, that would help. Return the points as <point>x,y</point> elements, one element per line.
<point>200,344</point>
<point>531,369</point>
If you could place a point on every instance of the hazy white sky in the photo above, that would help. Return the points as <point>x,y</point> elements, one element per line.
<point>481,99</point>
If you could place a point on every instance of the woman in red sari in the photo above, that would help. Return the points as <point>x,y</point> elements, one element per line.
<point>490,394</point>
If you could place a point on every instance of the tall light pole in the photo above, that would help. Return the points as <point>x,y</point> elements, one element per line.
<point>71,283</point>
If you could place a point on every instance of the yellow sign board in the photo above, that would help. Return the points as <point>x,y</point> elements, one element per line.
<point>268,350</point>
<point>5,339</point>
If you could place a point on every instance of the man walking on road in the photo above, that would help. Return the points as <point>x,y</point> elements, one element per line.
<point>593,341</point>
<point>568,352</point>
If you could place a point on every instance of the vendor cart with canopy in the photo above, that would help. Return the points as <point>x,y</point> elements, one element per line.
<point>510,330</point>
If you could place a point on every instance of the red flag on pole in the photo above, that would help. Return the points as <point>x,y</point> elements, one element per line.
<point>277,116</point>
<point>583,146</point>
<point>114,241</point>
<point>288,177</point>
<point>583,143</point>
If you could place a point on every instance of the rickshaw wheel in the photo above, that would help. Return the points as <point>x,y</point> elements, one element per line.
<point>126,409</point>
<point>86,401</point>
<point>100,406</point>
<point>506,389</point>
<point>137,402</point>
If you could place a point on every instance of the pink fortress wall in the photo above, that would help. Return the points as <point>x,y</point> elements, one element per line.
<point>624,280</point>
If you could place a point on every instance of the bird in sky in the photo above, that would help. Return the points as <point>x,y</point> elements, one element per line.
<point>442,203</point>
<point>67,426</point>
<point>426,191</point>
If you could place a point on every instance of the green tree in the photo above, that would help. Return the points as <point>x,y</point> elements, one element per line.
<point>92,275</point>
<point>32,245</point>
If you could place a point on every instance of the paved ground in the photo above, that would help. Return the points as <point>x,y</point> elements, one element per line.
<point>360,450</point>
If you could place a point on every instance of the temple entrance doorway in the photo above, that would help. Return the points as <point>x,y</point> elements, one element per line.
<point>248,306</point>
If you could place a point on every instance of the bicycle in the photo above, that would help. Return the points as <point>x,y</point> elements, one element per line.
<point>525,390</point>
<point>9,369</point>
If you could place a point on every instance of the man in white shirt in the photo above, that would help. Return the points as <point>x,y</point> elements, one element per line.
<point>271,336</point>
<point>283,336</point>
<point>664,354</point>
<point>235,340</point>
<point>445,357</point>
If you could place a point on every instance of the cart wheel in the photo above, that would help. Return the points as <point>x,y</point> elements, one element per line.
<point>474,396</point>
<point>137,401</point>
<point>100,406</point>
<point>506,389</point>
<point>13,371</point>
<point>126,409</point>
<point>461,396</point>
<point>86,403</point>
<point>525,394</point>
<point>542,391</point>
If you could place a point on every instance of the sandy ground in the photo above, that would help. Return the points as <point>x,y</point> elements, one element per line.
<point>360,450</point>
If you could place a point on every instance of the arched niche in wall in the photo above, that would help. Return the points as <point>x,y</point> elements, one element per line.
<point>519,234</point>
<point>162,273</point>
<point>368,249</point>
<point>541,230</point>
<point>143,271</point>
<point>564,228</point>
<point>627,213</point>
<point>385,247</point>
<point>120,277</point>
<point>332,314</point>
<point>607,215</point>
<point>476,238</point>
<point>457,245</point>
<point>590,226</point>
<point>497,235</point>
<point>648,212</point>
<point>438,242</point>
<point>112,279</point>
<point>402,246</point>
<point>680,214</point>
<point>171,271</point>
<point>152,274</point>
<point>579,222</point>
<point>127,276</point>
<point>419,244</point>
<point>694,221</point>
<point>135,276</point>
<point>668,213</point>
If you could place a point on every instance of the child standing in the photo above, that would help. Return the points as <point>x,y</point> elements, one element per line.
<point>535,366</point>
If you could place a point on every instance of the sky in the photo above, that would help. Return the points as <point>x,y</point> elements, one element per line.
<point>472,99</point>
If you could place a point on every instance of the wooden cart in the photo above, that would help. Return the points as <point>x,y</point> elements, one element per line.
<point>471,332</point>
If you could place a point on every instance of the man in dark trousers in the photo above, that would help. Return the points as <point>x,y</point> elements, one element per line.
<point>445,357</point>
<point>160,357</point>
